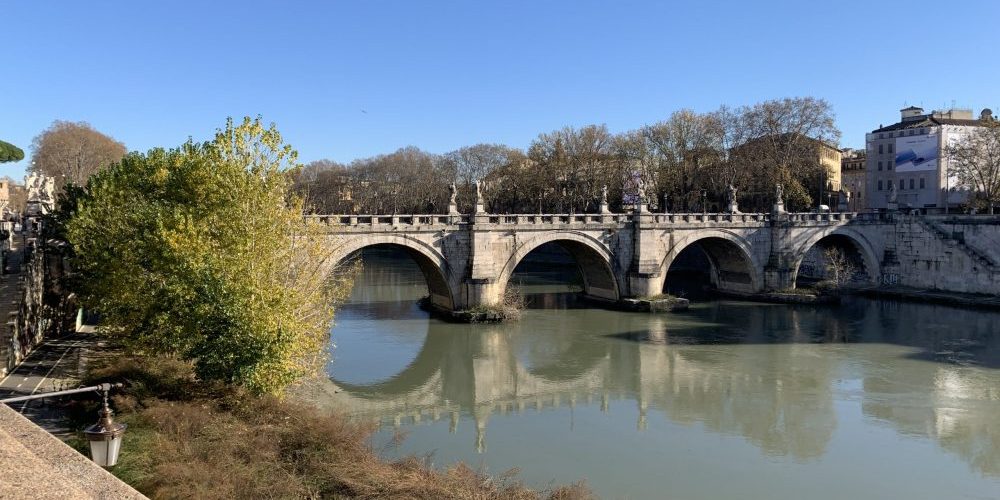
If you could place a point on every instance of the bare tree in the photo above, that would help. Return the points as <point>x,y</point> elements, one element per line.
<point>683,146</point>
<point>479,162</point>
<point>73,151</point>
<point>325,186</point>
<point>840,269</point>
<point>574,163</point>
<point>975,160</point>
<point>785,146</point>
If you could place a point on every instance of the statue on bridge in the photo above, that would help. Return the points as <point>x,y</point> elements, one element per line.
<point>452,199</point>
<point>733,206</point>
<point>893,204</point>
<point>480,204</point>
<point>779,201</point>
<point>844,200</point>
<point>604,200</point>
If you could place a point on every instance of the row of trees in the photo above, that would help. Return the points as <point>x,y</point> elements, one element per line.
<point>683,161</point>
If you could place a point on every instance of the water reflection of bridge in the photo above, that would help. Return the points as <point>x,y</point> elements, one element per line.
<point>778,393</point>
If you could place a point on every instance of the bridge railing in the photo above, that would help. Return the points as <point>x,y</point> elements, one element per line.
<point>530,219</point>
<point>695,218</point>
<point>822,216</point>
<point>391,220</point>
<point>421,220</point>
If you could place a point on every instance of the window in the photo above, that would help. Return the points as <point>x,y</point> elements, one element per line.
<point>911,184</point>
<point>881,136</point>
<point>880,149</point>
<point>879,185</point>
<point>880,165</point>
<point>901,186</point>
<point>890,148</point>
<point>888,165</point>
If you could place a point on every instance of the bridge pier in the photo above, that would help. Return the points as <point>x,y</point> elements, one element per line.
<point>482,292</point>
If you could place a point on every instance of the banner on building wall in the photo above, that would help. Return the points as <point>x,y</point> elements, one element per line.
<point>916,153</point>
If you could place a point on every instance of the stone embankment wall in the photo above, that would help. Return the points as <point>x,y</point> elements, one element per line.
<point>35,299</point>
<point>954,255</point>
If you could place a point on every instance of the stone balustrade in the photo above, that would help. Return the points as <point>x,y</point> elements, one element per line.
<point>367,222</point>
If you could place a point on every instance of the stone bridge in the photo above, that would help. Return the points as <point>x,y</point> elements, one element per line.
<point>469,259</point>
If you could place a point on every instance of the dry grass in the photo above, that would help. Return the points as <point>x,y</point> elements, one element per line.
<point>509,309</point>
<point>192,440</point>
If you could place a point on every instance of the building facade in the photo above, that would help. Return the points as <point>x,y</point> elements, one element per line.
<point>907,160</point>
<point>852,176</point>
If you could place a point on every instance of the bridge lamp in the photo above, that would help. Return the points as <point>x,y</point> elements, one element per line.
<point>105,437</point>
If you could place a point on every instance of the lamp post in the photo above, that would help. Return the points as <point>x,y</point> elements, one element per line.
<point>105,436</point>
<point>704,202</point>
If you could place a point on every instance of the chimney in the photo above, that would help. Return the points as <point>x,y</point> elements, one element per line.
<point>910,113</point>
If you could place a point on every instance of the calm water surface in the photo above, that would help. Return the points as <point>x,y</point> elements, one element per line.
<point>868,399</point>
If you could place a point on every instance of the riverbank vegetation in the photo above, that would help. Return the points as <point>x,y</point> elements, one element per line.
<point>509,308</point>
<point>189,438</point>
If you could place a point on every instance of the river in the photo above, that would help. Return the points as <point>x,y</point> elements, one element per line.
<point>868,399</point>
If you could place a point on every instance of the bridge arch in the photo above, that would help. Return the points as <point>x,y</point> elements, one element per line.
<point>434,266</point>
<point>732,261</point>
<point>594,259</point>
<point>864,251</point>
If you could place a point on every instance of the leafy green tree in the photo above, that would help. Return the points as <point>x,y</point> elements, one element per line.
<point>198,252</point>
<point>10,152</point>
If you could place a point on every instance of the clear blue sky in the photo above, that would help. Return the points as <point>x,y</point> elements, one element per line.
<point>351,79</point>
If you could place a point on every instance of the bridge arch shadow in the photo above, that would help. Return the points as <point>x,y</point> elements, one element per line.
<point>719,258</point>
<point>593,258</point>
<point>433,265</point>
<point>854,251</point>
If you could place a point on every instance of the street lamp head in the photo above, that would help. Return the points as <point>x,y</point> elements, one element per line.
<point>105,436</point>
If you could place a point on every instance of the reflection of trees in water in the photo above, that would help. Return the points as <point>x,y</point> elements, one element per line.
<point>388,275</point>
<point>777,398</point>
<point>956,399</point>
<point>957,406</point>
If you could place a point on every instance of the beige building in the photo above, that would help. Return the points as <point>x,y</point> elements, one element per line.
<point>830,159</point>
<point>852,176</point>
